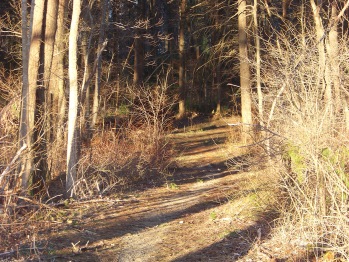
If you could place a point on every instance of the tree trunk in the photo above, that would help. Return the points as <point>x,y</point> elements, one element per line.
<point>52,94</point>
<point>218,67</point>
<point>258,62</point>
<point>320,33</point>
<point>246,103</point>
<point>138,59</point>
<point>72,144</point>
<point>323,75</point>
<point>86,39</point>
<point>26,163</point>
<point>333,57</point>
<point>285,4</point>
<point>181,72</point>
<point>96,94</point>
<point>29,92</point>
<point>58,69</point>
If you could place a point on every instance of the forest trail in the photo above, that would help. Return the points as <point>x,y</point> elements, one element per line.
<point>210,209</point>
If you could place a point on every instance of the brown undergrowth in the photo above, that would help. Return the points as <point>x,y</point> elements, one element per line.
<point>205,210</point>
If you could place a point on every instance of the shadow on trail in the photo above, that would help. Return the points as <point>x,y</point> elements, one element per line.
<point>132,218</point>
<point>236,244</point>
<point>214,170</point>
<point>201,186</point>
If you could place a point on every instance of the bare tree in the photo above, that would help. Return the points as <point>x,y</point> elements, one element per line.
<point>320,33</point>
<point>101,38</point>
<point>72,144</point>
<point>245,75</point>
<point>31,57</point>
<point>334,54</point>
<point>24,128</point>
<point>49,42</point>
<point>181,73</point>
<point>57,75</point>
<point>258,60</point>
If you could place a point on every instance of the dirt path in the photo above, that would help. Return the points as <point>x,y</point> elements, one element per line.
<point>205,212</point>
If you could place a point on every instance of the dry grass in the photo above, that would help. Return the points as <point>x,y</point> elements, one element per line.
<point>136,152</point>
<point>310,141</point>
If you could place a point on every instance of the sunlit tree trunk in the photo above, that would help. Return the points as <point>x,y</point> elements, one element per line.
<point>323,75</point>
<point>29,89</point>
<point>48,81</point>
<point>181,72</point>
<point>72,144</point>
<point>245,75</point>
<point>320,37</point>
<point>285,4</point>
<point>258,61</point>
<point>59,103</point>
<point>334,56</point>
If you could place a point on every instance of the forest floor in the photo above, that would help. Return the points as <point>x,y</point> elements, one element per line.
<point>213,207</point>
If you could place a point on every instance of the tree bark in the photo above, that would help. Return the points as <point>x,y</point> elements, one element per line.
<point>285,4</point>
<point>96,94</point>
<point>334,55</point>
<point>181,72</point>
<point>48,81</point>
<point>29,89</point>
<point>72,144</point>
<point>138,62</point>
<point>258,61</point>
<point>86,39</point>
<point>59,105</point>
<point>138,59</point>
<point>245,75</point>
<point>218,67</point>
<point>320,33</point>
<point>24,128</point>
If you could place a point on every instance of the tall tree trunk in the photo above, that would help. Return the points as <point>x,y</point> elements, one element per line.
<point>258,62</point>
<point>334,55</point>
<point>26,163</point>
<point>96,94</point>
<point>86,40</point>
<point>138,59</point>
<point>55,77</point>
<point>245,75</point>
<point>59,102</point>
<point>138,63</point>
<point>285,4</point>
<point>181,72</point>
<point>72,145</point>
<point>29,92</point>
<point>49,38</point>
<point>323,75</point>
<point>320,33</point>
<point>218,67</point>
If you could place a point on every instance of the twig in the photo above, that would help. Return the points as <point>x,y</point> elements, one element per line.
<point>341,13</point>
<point>8,168</point>
<point>274,104</point>
<point>106,200</point>
<point>8,253</point>
<point>94,68</point>
<point>35,202</point>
